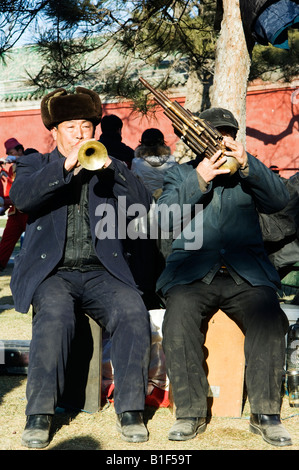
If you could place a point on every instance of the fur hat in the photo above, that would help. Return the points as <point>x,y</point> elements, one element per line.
<point>59,106</point>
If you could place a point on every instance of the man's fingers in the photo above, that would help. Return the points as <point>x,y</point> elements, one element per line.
<point>215,157</point>
<point>220,162</point>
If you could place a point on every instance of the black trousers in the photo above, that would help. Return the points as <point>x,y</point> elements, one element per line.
<point>256,310</point>
<point>112,304</point>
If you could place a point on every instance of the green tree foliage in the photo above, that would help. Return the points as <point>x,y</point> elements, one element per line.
<point>77,42</point>
<point>270,60</point>
<point>75,37</point>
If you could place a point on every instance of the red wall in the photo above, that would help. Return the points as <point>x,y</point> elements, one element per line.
<point>272,127</point>
<point>272,124</point>
<point>28,129</point>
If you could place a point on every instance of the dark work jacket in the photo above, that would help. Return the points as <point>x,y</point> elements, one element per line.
<point>250,10</point>
<point>41,189</point>
<point>227,219</point>
<point>267,21</point>
<point>116,148</point>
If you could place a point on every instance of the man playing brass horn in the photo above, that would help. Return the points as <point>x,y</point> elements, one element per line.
<point>229,271</point>
<point>66,268</point>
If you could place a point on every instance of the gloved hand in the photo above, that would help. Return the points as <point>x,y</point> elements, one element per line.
<point>10,159</point>
<point>3,173</point>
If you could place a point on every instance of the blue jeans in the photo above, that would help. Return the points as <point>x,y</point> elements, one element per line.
<point>113,305</point>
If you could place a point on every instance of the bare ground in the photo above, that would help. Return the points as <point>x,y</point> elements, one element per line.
<point>97,431</point>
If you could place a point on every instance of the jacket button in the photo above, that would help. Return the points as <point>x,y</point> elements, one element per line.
<point>39,227</point>
<point>43,256</point>
<point>114,254</point>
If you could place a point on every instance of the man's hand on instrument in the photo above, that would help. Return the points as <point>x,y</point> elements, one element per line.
<point>236,150</point>
<point>71,160</point>
<point>208,168</point>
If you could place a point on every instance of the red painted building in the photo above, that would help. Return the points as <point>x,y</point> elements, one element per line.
<point>271,118</point>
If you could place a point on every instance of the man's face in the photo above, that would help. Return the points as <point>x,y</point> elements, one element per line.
<point>228,131</point>
<point>14,152</point>
<point>69,133</point>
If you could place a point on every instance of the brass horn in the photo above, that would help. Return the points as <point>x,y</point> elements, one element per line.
<point>92,155</point>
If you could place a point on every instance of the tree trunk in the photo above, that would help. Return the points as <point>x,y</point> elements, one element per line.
<point>232,66</point>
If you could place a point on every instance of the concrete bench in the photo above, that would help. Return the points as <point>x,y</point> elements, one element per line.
<point>225,365</point>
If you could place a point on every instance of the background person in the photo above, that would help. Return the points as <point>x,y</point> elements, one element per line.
<point>111,137</point>
<point>152,159</point>
<point>16,221</point>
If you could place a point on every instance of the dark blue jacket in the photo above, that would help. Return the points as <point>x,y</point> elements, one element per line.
<point>228,223</point>
<point>40,190</point>
<point>266,21</point>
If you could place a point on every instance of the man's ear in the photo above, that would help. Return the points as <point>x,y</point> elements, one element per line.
<point>54,133</point>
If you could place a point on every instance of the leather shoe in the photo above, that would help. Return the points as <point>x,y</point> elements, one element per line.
<point>131,426</point>
<point>37,431</point>
<point>187,428</point>
<point>271,429</point>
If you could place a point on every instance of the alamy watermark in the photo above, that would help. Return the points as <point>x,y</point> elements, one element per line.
<point>161,222</point>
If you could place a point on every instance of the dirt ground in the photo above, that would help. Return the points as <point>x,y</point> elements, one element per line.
<point>97,431</point>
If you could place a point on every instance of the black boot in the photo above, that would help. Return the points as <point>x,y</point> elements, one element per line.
<point>131,426</point>
<point>270,428</point>
<point>37,431</point>
<point>187,428</point>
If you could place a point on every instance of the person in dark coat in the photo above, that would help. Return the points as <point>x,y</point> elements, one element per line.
<point>111,137</point>
<point>218,261</point>
<point>73,261</point>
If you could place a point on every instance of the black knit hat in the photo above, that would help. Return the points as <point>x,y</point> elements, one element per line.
<point>220,117</point>
<point>59,106</point>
